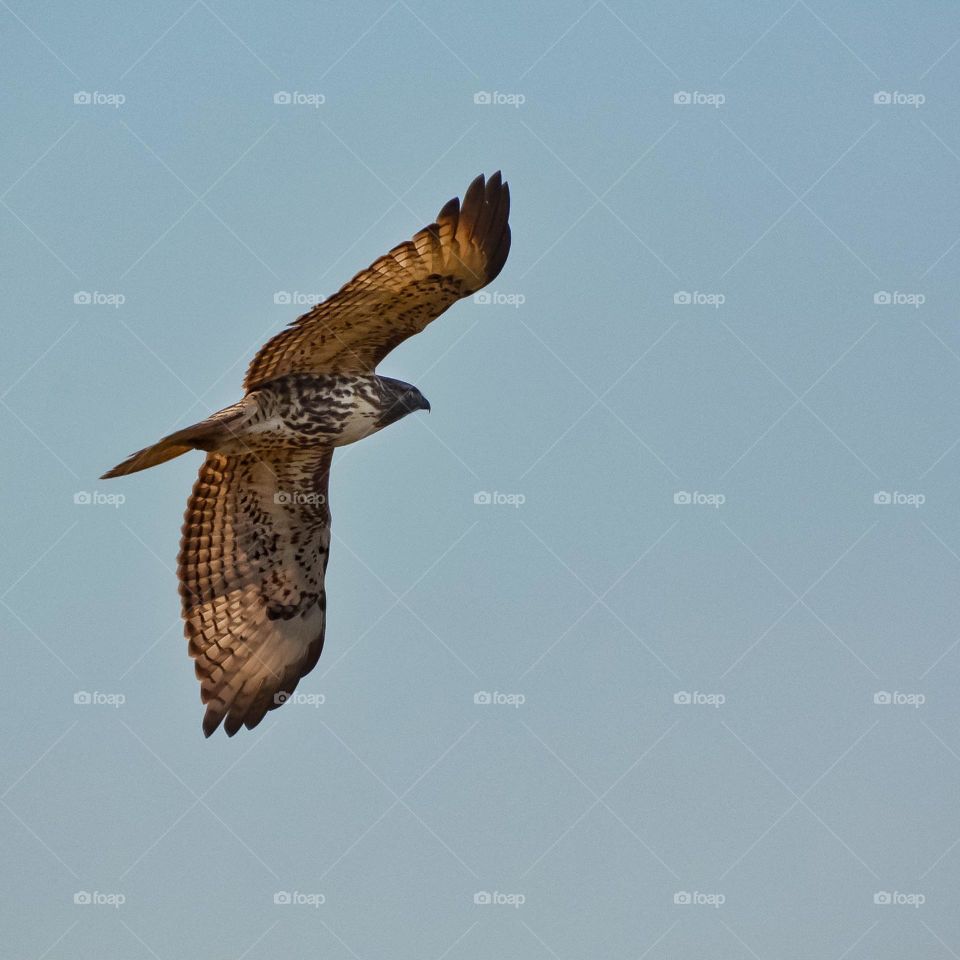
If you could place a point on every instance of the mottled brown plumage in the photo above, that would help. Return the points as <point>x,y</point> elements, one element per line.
<point>399,294</point>
<point>256,534</point>
<point>251,566</point>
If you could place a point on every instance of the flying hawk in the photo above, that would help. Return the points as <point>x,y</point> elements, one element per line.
<point>256,533</point>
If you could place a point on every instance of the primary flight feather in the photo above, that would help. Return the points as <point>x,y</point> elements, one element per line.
<point>256,534</point>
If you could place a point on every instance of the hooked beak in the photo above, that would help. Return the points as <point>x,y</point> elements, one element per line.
<point>413,402</point>
<point>407,404</point>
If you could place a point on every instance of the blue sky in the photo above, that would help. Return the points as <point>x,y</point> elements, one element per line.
<point>714,602</point>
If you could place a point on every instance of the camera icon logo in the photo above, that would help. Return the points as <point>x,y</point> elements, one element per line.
<point>681,497</point>
<point>882,897</point>
<point>682,297</point>
<point>81,97</point>
<point>681,96</point>
<point>882,697</point>
<point>282,298</point>
<point>682,697</point>
<point>482,97</point>
<point>81,897</point>
<point>482,297</point>
<point>82,698</point>
<point>882,497</point>
<point>482,498</point>
<point>882,298</point>
<point>282,97</point>
<point>682,897</point>
<point>482,897</point>
<point>482,697</point>
<point>281,897</point>
<point>881,96</point>
<point>82,297</point>
<point>82,497</point>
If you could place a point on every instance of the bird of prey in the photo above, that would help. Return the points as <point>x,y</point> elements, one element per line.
<point>256,533</point>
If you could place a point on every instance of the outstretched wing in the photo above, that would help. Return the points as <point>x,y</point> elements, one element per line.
<point>253,554</point>
<point>399,294</point>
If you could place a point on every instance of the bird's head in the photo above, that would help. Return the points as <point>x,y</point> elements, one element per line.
<point>398,399</point>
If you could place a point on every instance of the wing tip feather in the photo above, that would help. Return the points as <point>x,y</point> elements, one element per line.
<point>211,720</point>
<point>485,213</point>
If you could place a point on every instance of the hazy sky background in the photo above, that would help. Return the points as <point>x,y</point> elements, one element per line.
<point>783,400</point>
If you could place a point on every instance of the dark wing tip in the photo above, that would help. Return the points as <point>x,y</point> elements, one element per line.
<point>211,720</point>
<point>482,193</point>
<point>234,720</point>
<point>232,723</point>
<point>475,188</point>
<point>473,200</point>
<point>484,215</point>
<point>450,210</point>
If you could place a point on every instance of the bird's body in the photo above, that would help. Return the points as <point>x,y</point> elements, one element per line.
<point>303,410</point>
<point>256,534</point>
